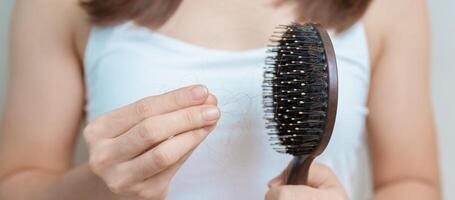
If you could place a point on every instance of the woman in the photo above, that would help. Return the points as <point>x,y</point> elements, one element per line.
<point>150,75</point>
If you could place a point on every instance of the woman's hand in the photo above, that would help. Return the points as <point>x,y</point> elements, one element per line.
<point>137,149</point>
<point>322,185</point>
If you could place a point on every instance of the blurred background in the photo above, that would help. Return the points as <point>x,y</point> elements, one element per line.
<point>443,17</point>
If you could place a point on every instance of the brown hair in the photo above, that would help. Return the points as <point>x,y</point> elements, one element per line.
<point>338,14</point>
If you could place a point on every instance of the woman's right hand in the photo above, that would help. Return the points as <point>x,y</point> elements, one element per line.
<point>137,149</point>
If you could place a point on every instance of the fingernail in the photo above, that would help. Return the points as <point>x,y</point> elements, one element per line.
<point>199,92</point>
<point>211,113</point>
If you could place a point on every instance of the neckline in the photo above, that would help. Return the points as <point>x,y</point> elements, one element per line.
<point>180,45</point>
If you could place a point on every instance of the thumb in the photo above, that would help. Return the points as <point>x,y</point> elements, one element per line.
<point>278,180</point>
<point>321,176</point>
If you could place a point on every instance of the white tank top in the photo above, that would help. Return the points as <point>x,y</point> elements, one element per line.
<point>127,62</point>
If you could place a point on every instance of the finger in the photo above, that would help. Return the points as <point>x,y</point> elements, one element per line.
<point>277,3</point>
<point>321,176</point>
<point>159,182</point>
<point>156,129</point>
<point>127,146</point>
<point>278,180</point>
<point>164,155</point>
<point>295,192</point>
<point>156,186</point>
<point>162,179</point>
<point>120,120</point>
<point>211,100</point>
<point>172,170</point>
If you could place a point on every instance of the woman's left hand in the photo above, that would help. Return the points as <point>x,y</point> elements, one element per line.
<point>322,185</point>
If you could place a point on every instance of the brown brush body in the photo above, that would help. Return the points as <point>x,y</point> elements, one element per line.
<point>300,95</point>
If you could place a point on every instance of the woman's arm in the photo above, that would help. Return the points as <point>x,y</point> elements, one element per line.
<point>44,107</point>
<point>135,150</point>
<point>401,129</point>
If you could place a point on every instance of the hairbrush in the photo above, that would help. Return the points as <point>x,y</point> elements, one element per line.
<point>300,95</point>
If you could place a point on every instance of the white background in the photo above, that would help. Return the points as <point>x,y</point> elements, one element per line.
<point>443,19</point>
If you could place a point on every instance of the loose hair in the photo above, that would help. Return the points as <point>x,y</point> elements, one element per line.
<point>337,14</point>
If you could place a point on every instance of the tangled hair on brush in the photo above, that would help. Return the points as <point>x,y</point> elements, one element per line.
<point>337,14</point>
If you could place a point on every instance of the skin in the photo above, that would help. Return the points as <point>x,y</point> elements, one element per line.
<point>41,110</point>
<point>322,184</point>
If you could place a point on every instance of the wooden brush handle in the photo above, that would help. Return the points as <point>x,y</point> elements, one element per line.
<point>298,170</point>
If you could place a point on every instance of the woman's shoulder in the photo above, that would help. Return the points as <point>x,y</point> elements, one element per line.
<point>64,20</point>
<point>388,20</point>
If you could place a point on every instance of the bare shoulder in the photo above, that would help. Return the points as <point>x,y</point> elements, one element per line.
<point>388,22</point>
<point>64,20</point>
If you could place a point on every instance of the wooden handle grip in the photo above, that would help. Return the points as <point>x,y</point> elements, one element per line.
<point>298,170</point>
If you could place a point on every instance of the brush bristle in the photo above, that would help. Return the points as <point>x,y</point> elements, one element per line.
<point>295,89</point>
